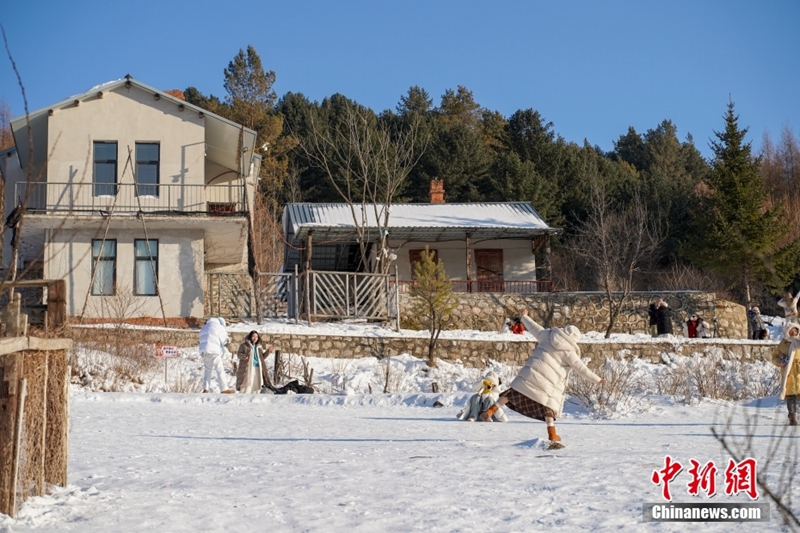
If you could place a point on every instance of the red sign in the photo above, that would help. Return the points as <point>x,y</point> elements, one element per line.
<point>167,352</point>
<point>739,477</point>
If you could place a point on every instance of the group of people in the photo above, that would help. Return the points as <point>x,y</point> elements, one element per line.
<point>660,321</point>
<point>538,390</point>
<point>251,368</point>
<point>252,376</point>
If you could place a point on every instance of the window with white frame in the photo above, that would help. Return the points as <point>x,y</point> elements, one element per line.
<point>145,266</point>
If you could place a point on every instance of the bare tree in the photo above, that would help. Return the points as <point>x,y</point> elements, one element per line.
<point>615,243</point>
<point>367,161</point>
<point>774,448</point>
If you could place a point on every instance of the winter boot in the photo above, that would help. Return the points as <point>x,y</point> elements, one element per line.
<point>551,434</point>
<point>792,419</point>
<point>229,391</point>
<point>205,391</point>
<point>487,415</point>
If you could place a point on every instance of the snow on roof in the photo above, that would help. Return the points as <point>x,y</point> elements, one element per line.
<point>453,220</point>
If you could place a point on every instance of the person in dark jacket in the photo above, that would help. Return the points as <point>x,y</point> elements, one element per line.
<point>663,319</point>
<point>756,323</point>
<point>651,314</point>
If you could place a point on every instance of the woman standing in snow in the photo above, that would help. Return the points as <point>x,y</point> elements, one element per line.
<point>785,358</point>
<point>251,374</point>
<point>538,390</point>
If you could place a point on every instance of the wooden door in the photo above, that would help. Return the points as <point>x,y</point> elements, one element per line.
<point>489,263</point>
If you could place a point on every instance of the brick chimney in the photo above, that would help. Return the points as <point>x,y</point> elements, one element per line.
<point>437,191</point>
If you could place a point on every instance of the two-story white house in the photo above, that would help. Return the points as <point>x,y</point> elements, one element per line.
<point>133,194</point>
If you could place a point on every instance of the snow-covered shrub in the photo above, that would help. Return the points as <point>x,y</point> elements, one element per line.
<point>713,376</point>
<point>622,392</point>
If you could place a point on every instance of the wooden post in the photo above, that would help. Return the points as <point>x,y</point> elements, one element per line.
<point>12,492</point>
<point>9,415</point>
<point>548,261</point>
<point>397,298</point>
<point>276,373</point>
<point>56,303</point>
<point>309,243</point>
<point>295,288</point>
<point>469,262</point>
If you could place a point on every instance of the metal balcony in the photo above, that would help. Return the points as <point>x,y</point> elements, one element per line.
<point>94,198</point>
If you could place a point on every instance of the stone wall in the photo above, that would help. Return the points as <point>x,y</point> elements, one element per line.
<point>476,353</point>
<point>473,353</point>
<point>589,311</point>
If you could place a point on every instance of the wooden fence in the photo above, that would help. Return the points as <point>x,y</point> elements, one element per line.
<point>34,418</point>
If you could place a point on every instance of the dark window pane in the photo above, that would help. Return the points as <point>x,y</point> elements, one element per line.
<point>104,249</point>
<point>146,152</point>
<point>148,174</point>
<point>145,269</point>
<point>147,168</point>
<point>104,258</point>
<point>105,169</point>
<point>105,152</point>
<point>141,249</point>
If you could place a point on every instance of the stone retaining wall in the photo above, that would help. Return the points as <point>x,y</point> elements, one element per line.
<point>476,353</point>
<point>473,353</point>
<point>589,311</point>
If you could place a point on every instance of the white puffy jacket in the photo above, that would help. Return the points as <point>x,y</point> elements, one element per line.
<point>213,337</point>
<point>543,377</point>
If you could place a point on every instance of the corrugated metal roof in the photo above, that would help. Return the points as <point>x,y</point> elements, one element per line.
<point>419,221</point>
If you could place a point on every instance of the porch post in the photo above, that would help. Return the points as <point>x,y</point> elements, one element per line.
<point>469,262</point>
<point>309,242</point>
<point>548,261</point>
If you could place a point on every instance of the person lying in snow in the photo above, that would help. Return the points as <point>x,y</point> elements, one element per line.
<point>538,390</point>
<point>483,400</point>
<point>293,386</point>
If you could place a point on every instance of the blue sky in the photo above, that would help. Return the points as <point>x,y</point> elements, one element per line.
<point>592,68</point>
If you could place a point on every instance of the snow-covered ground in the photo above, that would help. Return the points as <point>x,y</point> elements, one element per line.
<point>160,456</point>
<point>368,463</point>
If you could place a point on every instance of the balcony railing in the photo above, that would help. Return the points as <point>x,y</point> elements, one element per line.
<point>76,198</point>
<point>511,286</point>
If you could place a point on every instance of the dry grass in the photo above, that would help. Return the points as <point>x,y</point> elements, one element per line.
<point>111,360</point>
<point>713,376</point>
<point>623,390</point>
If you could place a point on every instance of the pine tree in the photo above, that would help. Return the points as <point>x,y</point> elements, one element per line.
<point>737,230</point>
<point>434,302</point>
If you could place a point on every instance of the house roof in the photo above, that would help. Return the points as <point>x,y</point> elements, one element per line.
<point>222,135</point>
<point>425,222</point>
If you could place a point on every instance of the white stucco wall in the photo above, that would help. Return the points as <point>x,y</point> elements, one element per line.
<point>180,271</point>
<point>519,263</point>
<point>126,116</point>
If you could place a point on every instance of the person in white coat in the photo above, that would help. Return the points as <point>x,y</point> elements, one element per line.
<point>213,346</point>
<point>789,304</point>
<point>538,390</point>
